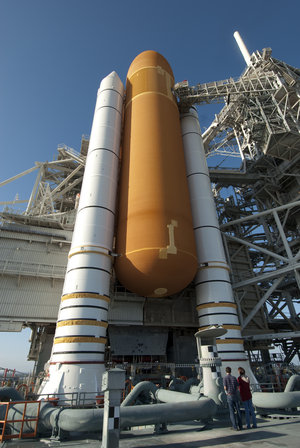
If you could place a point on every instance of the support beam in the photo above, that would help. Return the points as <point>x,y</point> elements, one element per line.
<point>283,315</point>
<point>258,215</point>
<point>11,179</point>
<point>266,276</point>
<point>261,302</point>
<point>282,235</point>
<point>66,180</point>
<point>258,248</point>
<point>281,335</point>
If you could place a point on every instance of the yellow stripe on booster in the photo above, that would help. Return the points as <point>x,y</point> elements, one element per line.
<point>95,323</point>
<point>71,339</point>
<point>230,341</point>
<point>217,304</point>
<point>85,295</point>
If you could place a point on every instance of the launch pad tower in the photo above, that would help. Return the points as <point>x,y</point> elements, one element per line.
<point>258,206</point>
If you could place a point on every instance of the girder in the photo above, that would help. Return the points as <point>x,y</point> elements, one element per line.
<point>228,90</point>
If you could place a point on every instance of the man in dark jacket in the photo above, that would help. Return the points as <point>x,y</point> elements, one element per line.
<point>231,388</point>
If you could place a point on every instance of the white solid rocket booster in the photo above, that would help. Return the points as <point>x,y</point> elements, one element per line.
<point>215,302</point>
<point>77,359</point>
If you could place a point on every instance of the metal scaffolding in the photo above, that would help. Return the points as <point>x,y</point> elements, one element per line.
<point>258,203</point>
<point>52,202</point>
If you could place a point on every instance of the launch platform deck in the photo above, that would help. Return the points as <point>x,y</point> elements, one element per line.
<point>271,432</point>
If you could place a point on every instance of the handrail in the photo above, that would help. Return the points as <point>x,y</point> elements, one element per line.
<point>32,269</point>
<point>23,420</point>
<point>72,399</point>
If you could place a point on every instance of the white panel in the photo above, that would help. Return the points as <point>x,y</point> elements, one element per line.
<point>80,330</point>
<point>96,282</point>
<point>129,312</point>
<point>94,225</point>
<point>30,299</point>
<point>11,326</point>
<point>81,313</point>
<point>138,340</point>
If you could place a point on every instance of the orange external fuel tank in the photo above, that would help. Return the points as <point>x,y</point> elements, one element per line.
<point>155,237</point>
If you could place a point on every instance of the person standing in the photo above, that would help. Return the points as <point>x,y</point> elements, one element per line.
<point>231,388</point>
<point>246,397</point>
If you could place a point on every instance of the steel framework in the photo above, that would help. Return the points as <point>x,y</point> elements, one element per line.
<point>53,198</point>
<point>258,204</point>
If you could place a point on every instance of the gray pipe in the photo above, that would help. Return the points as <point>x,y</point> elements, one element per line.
<point>293,384</point>
<point>276,400</point>
<point>290,398</point>
<point>84,420</point>
<point>183,386</point>
<point>143,386</point>
<point>162,395</point>
<point>9,393</point>
<point>168,412</point>
<point>16,413</point>
<point>170,396</point>
<point>91,419</point>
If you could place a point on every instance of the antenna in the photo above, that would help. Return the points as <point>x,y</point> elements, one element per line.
<point>242,47</point>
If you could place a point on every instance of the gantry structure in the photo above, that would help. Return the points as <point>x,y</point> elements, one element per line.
<point>258,205</point>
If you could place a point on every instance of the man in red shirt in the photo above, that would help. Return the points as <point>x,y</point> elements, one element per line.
<point>246,397</point>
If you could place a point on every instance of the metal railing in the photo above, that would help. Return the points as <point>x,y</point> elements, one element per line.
<point>23,420</point>
<point>71,152</point>
<point>268,387</point>
<point>32,269</point>
<point>74,399</point>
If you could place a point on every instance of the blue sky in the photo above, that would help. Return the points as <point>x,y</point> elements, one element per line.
<point>54,54</point>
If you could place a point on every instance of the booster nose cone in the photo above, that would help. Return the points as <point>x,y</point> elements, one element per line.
<point>112,81</point>
<point>155,238</point>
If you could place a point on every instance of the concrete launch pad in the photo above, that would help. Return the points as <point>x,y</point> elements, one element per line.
<point>271,432</point>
